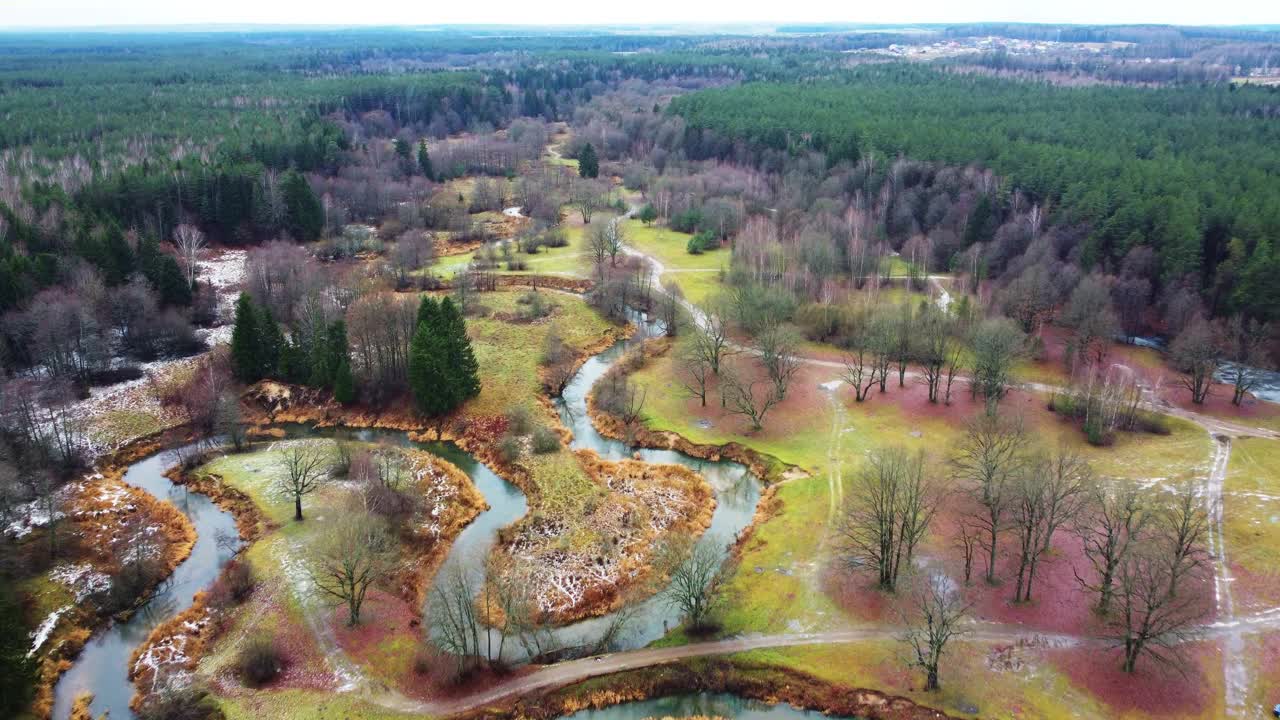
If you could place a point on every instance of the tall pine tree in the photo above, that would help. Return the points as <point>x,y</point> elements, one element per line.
<point>424,161</point>
<point>588,163</point>
<point>244,342</point>
<point>459,356</point>
<point>304,215</point>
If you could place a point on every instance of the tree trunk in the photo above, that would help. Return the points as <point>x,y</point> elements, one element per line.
<point>931,682</point>
<point>297,507</point>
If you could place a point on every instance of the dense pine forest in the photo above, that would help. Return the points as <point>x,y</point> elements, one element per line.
<point>1187,171</point>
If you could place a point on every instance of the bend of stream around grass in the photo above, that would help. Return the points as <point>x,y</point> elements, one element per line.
<point>102,667</point>
<point>709,705</point>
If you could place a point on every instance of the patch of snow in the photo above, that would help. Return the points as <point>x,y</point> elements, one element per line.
<point>42,633</point>
<point>82,578</point>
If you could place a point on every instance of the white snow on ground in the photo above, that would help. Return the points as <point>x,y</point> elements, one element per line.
<point>166,661</point>
<point>82,578</point>
<point>31,515</point>
<point>512,212</point>
<point>225,273</point>
<point>42,633</point>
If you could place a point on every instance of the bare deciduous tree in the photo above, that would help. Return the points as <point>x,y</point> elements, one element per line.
<point>987,464</point>
<point>743,396</point>
<point>189,241</point>
<point>777,345</point>
<point>1111,522</point>
<point>455,621</point>
<point>1047,495</point>
<point>1151,619</point>
<point>889,511</point>
<point>304,465</point>
<point>693,370</point>
<point>694,579</point>
<point>1195,352</point>
<point>933,616</point>
<point>353,555</point>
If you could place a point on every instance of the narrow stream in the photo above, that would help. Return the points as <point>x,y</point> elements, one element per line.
<point>707,705</point>
<point>102,667</point>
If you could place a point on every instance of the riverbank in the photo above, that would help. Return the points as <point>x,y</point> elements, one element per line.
<point>105,521</point>
<point>735,676</point>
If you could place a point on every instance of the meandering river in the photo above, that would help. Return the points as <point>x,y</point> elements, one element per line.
<point>102,667</point>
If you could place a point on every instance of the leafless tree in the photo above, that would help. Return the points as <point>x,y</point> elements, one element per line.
<point>304,465</point>
<point>694,579</point>
<point>189,241</point>
<point>1151,619</point>
<point>693,370</point>
<point>586,196</point>
<point>1183,525</point>
<point>1046,495</point>
<point>893,502</point>
<point>935,348</point>
<point>996,345</point>
<point>933,616</point>
<point>711,333</point>
<point>1244,350</point>
<point>744,396</point>
<point>354,554</point>
<point>777,346</point>
<point>1091,315</point>
<point>670,307</point>
<point>1112,521</point>
<point>987,464</point>
<point>453,616</point>
<point>1195,352</point>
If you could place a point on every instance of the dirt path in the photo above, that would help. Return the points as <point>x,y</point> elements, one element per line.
<point>561,674</point>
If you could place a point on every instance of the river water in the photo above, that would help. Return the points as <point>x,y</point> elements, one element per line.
<point>698,705</point>
<point>102,667</point>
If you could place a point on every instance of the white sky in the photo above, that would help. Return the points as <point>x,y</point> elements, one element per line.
<point>82,13</point>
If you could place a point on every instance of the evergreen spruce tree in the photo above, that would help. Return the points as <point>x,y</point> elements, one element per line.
<point>271,344</point>
<point>588,163</point>
<point>303,211</point>
<point>429,378</point>
<point>461,361</point>
<point>428,312</point>
<point>344,384</point>
<point>295,366</point>
<point>245,359</point>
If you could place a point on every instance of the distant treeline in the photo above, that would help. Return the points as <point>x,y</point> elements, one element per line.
<point>1184,170</point>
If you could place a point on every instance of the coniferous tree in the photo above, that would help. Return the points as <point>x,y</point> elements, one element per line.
<point>344,384</point>
<point>588,163</point>
<point>460,359</point>
<point>303,211</point>
<point>272,343</point>
<point>429,378</point>
<point>245,337</point>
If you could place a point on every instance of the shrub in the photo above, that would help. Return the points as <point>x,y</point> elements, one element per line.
<point>509,449</point>
<point>519,421</point>
<point>234,585</point>
<point>260,660</point>
<point>545,440</point>
<point>186,703</point>
<point>555,238</point>
<point>702,242</point>
<point>136,579</point>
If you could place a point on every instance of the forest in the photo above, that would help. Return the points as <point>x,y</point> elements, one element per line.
<point>1181,171</point>
<point>880,371</point>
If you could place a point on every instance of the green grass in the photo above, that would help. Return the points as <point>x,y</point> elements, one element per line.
<point>1251,507</point>
<point>306,705</point>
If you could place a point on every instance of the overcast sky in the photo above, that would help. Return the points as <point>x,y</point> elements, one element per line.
<point>81,13</point>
